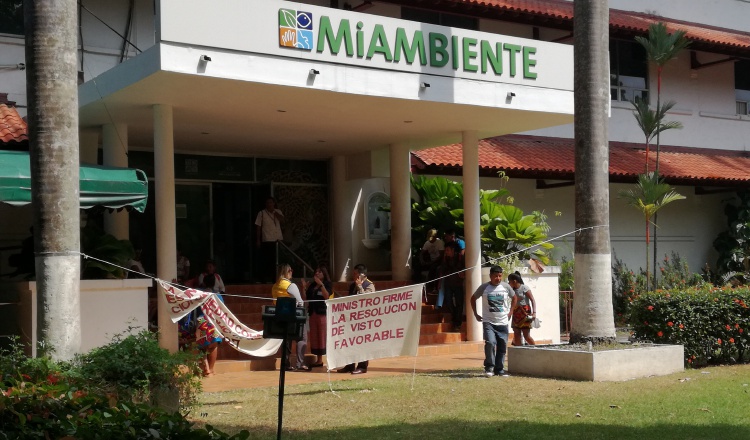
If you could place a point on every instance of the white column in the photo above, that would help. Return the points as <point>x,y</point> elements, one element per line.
<point>164,203</point>
<point>342,219</point>
<point>115,154</point>
<point>400,212</point>
<point>89,146</point>
<point>471,229</point>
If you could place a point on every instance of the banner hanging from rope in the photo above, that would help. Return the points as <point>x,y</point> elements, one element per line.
<point>373,326</point>
<point>239,336</point>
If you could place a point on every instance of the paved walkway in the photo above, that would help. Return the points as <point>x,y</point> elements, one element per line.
<point>378,368</point>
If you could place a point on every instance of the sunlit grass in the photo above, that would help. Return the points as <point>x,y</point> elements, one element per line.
<point>713,403</point>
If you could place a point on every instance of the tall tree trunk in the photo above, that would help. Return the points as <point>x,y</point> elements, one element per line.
<point>593,318</point>
<point>52,89</point>
<point>658,144</point>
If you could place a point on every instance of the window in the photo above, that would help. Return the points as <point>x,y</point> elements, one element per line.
<point>11,17</point>
<point>742,85</point>
<point>433,17</point>
<point>628,71</point>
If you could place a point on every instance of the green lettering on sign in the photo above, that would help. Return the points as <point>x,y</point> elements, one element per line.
<point>495,57</point>
<point>436,49</point>
<point>344,34</point>
<point>409,51</point>
<point>469,54</point>
<point>454,51</point>
<point>513,50</point>
<point>379,43</point>
<point>360,40</point>
<point>528,63</point>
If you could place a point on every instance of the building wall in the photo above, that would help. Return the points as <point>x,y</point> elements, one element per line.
<point>687,227</point>
<point>101,45</point>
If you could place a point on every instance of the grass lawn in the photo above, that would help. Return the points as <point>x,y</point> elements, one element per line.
<point>712,403</point>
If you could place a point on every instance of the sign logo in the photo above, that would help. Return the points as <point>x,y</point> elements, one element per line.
<point>295,29</point>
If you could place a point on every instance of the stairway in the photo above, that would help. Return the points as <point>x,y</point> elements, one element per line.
<point>435,336</point>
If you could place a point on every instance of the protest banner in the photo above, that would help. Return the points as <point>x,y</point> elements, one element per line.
<point>239,336</point>
<point>373,325</point>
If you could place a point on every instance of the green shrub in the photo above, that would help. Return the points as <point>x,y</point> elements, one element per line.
<point>55,409</point>
<point>711,323</point>
<point>41,398</point>
<point>134,366</point>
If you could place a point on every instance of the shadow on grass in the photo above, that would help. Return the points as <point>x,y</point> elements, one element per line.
<point>465,429</point>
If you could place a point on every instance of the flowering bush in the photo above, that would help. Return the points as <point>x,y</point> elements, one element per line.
<point>711,323</point>
<point>41,398</point>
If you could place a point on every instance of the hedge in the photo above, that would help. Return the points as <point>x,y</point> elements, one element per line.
<point>712,323</point>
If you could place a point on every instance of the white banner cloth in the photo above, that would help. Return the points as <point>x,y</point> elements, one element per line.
<point>373,325</point>
<point>239,336</point>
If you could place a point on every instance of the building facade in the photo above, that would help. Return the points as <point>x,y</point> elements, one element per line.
<point>327,104</point>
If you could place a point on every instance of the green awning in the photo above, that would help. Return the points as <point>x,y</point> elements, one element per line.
<point>100,186</point>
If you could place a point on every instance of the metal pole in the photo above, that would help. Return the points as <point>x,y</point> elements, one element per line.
<point>282,376</point>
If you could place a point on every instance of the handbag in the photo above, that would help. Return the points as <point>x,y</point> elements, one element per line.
<point>536,323</point>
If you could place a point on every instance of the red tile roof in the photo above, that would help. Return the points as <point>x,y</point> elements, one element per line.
<point>554,158</point>
<point>12,127</point>
<point>559,13</point>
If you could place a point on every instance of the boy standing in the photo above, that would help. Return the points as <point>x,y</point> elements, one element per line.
<point>498,301</point>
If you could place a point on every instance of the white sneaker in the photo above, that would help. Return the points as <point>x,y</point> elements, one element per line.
<point>489,373</point>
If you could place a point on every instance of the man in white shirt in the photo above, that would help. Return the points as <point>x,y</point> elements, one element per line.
<point>498,301</point>
<point>432,257</point>
<point>268,232</point>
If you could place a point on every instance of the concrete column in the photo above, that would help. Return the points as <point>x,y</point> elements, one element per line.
<point>89,146</point>
<point>343,220</point>
<point>164,203</point>
<point>400,212</point>
<point>471,229</point>
<point>115,154</point>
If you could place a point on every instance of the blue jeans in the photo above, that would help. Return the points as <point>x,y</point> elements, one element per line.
<point>495,341</point>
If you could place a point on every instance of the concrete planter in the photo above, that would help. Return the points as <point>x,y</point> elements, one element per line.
<point>596,366</point>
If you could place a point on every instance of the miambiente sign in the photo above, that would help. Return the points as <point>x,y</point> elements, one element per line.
<point>342,37</point>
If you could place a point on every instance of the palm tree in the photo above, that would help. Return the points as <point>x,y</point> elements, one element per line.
<point>661,47</point>
<point>649,196</point>
<point>650,121</point>
<point>52,89</point>
<point>593,317</point>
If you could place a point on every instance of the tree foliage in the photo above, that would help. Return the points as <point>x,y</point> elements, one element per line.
<point>504,228</point>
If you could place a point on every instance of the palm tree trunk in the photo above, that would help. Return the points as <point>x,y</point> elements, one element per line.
<point>648,277</point>
<point>658,104</point>
<point>52,89</point>
<point>593,318</point>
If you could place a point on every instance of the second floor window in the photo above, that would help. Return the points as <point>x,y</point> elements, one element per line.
<point>628,71</point>
<point>742,86</point>
<point>11,17</point>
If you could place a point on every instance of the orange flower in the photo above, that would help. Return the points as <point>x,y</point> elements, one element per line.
<point>681,326</point>
<point>650,308</point>
<point>728,327</point>
<point>660,334</point>
<point>740,330</point>
<point>736,326</point>
<point>670,323</point>
<point>731,340</point>
<point>690,361</point>
<point>719,341</point>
